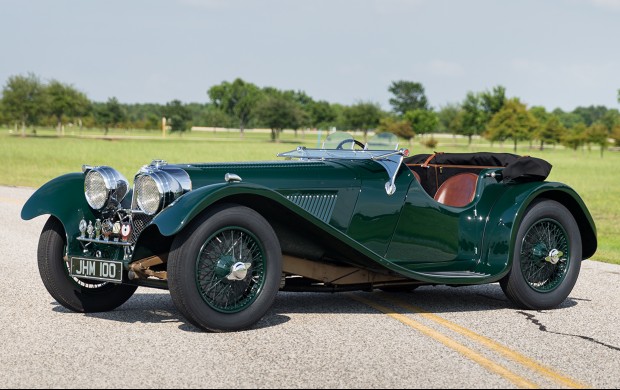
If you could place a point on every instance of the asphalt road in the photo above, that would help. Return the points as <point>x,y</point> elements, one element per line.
<point>435,337</point>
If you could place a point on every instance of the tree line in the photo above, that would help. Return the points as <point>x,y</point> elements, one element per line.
<point>28,103</point>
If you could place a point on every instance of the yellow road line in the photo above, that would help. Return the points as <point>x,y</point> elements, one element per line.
<point>494,345</point>
<point>448,342</point>
<point>12,200</point>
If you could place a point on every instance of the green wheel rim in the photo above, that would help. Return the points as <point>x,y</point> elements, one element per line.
<point>545,255</point>
<point>220,286</point>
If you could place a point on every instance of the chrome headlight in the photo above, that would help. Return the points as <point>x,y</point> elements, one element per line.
<point>104,187</point>
<point>157,188</point>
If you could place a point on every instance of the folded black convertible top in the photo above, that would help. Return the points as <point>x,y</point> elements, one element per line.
<point>517,169</point>
<point>485,159</point>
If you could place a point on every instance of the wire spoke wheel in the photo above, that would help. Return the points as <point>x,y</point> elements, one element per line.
<point>545,255</point>
<point>225,268</point>
<point>230,269</point>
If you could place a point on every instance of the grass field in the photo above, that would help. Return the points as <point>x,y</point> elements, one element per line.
<point>33,160</point>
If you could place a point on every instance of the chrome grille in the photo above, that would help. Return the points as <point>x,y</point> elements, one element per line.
<point>140,221</point>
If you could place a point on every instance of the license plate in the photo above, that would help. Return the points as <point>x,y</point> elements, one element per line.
<point>105,270</point>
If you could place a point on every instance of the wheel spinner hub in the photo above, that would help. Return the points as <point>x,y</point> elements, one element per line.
<point>230,269</point>
<point>554,256</point>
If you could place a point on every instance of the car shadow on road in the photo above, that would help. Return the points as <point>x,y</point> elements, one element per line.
<point>434,299</point>
<point>157,307</point>
<point>154,308</point>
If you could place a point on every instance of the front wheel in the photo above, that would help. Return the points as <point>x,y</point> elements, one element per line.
<point>224,269</point>
<point>546,257</point>
<point>79,295</point>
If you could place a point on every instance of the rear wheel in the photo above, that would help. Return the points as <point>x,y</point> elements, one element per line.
<point>80,295</point>
<point>546,258</point>
<point>225,268</point>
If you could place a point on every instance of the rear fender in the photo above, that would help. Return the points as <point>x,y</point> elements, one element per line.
<point>506,217</point>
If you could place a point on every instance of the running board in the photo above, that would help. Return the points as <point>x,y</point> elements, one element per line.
<point>456,274</point>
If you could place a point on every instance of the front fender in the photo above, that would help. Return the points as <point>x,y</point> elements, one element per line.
<point>60,197</point>
<point>508,212</point>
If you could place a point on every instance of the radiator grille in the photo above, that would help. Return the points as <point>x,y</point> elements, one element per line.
<point>140,221</point>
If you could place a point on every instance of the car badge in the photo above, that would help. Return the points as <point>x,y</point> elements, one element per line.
<point>97,228</point>
<point>106,229</point>
<point>116,230</point>
<point>125,231</point>
<point>90,230</point>
<point>82,228</point>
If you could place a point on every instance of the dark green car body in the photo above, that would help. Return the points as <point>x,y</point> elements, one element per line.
<point>334,212</point>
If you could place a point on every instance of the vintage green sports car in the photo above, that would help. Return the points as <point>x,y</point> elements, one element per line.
<point>224,238</point>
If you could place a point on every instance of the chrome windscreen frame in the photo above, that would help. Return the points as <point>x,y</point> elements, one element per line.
<point>389,160</point>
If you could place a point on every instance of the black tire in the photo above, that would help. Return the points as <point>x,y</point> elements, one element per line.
<point>534,281</point>
<point>201,262</point>
<point>81,296</point>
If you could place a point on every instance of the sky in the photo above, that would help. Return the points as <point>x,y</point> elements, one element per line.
<point>551,53</point>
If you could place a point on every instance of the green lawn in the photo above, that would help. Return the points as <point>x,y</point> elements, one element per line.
<point>33,160</point>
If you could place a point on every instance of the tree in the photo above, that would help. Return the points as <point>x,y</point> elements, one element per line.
<point>479,108</point>
<point>65,100</point>
<point>24,100</point>
<point>513,121</point>
<point>322,114</point>
<point>551,131</point>
<point>278,112</point>
<point>213,116</point>
<point>575,136</point>
<point>450,118</point>
<point>303,102</point>
<point>541,114</point>
<point>178,115</point>
<point>493,101</point>
<point>408,96</point>
<point>568,119</point>
<point>610,119</point>
<point>363,116</point>
<point>238,99</point>
<point>615,134</point>
<point>401,128</point>
<point>598,134</point>
<point>591,114</point>
<point>422,121</point>
<point>110,114</point>
<point>473,119</point>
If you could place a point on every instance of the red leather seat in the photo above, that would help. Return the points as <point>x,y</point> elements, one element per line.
<point>458,190</point>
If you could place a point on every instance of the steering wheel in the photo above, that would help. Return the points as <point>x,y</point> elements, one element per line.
<point>356,142</point>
